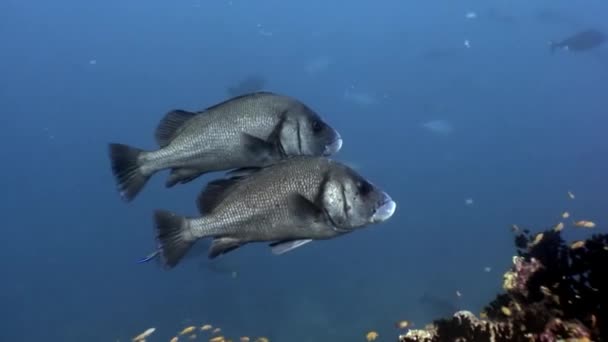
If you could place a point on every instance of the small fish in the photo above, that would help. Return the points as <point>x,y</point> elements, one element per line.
<point>251,84</point>
<point>244,339</point>
<point>216,330</point>
<point>141,337</point>
<point>149,257</point>
<point>262,339</point>
<point>256,129</point>
<point>288,204</point>
<point>559,227</point>
<point>506,311</point>
<point>571,195</point>
<point>206,327</point>
<point>584,224</point>
<point>565,215</point>
<point>187,330</point>
<point>193,336</point>
<point>174,339</point>
<point>537,239</point>
<point>217,339</point>
<point>371,336</point>
<point>577,244</point>
<point>402,324</point>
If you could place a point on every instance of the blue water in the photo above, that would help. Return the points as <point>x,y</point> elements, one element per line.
<point>526,127</point>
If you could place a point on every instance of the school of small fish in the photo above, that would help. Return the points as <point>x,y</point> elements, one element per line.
<point>210,334</point>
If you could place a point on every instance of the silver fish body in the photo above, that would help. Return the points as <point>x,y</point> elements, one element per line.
<point>289,203</point>
<point>251,130</point>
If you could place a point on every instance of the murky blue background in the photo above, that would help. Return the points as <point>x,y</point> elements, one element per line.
<point>524,127</point>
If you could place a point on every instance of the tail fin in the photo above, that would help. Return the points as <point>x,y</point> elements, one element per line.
<point>173,236</point>
<point>126,169</point>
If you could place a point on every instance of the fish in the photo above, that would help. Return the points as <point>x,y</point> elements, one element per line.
<point>142,336</point>
<point>251,130</point>
<point>289,204</point>
<point>250,84</point>
<point>581,41</point>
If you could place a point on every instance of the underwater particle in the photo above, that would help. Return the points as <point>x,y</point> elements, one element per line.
<point>565,215</point>
<point>471,15</point>
<point>487,269</point>
<point>577,244</point>
<point>244,339</point>
<point>93,62</point>
<point>515,228</point>
<point>187,330</point>
<point>371,336</point>
<point>193,336</point>
<point>467,44</point>
<point>559,227</point>
<point>468,201</point>
<point>234,274</point>
<point>483,315</point>
<point>206,327</point>
<point>506,311</point>
<point>584,224</point>
<point>402,324</point>
<point>142,337</point>
<point>174,339</point>
<point>217,339</point>
<point>216,330</point>
<point>570,194</point>
<point>458,294</point>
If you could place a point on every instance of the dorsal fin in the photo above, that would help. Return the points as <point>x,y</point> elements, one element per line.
<point>170,125</point>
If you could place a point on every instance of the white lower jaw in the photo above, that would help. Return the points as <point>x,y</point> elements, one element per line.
<point>385,212</point>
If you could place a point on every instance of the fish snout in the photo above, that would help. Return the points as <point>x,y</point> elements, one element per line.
<point>386,208</point>
<point>334,146</point>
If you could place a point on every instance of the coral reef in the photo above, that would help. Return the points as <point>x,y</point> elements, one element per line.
<point>553,292</point>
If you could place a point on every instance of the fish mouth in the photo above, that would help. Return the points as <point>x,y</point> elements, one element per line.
<point>385,210</point>
<point>333,147</point>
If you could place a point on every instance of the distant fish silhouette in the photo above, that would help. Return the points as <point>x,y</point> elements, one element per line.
<point>251,84</point>
<point>581,41</point>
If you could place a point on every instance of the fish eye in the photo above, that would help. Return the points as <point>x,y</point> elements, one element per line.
<point>316,126</point>
<point>364,188</point>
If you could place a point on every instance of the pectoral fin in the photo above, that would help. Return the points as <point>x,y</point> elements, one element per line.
<point>281,247</point>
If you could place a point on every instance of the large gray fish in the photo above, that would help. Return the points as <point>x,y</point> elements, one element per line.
<point>289,203</point>
<point>584,40</point>
<point>251,130</point>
